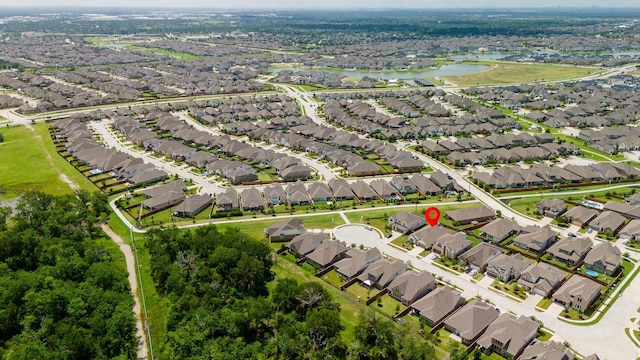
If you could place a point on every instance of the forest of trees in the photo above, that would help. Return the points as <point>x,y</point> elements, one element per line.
<point>225,304</point>
<point>64,292</point>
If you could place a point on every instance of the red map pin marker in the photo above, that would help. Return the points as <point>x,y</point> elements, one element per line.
<point>432,215</point>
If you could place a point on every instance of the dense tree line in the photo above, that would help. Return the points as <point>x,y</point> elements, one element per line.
<point>225,305</point>
<point>64,294</point>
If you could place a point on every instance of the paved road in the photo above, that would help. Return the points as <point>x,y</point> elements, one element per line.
<point>607,337</point>
<point>102,128</point>
<point>477,192</point>
<point>15,118</point>
<point>323,171</point>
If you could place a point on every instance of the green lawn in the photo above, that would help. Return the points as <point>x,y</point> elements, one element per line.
<point>403,242</point>
<point>285,267</point>
<point>545,303</point>
<point>384,213</point>
<point>182,55</point>
<point>30,162</point>
<point>256,228</point>
<point>599,191</point>
<point>156,305</point>
<point>594,154</point>
<point>387,305</point>
<point>509,73</point>
<point>543,335</point>
<point>512,289</point>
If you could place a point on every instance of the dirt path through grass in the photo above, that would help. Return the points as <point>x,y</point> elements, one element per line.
<point>142,352</point>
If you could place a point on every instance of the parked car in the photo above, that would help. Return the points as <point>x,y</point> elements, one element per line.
<point>368,228</point>
<point>572,234</point>
<point>389,236</point>
<point>434,256</point>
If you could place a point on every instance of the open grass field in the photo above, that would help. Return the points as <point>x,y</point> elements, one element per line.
<point>527,205</point>
<point>354,216</point>
<point>181,55</point>
<point>510,73</point>
<point>256,228</point>
<point>29,162</point>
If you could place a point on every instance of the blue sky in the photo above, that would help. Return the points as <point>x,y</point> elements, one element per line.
<point>336,4</point>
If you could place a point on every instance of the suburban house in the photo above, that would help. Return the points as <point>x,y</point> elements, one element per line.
<point>320,193</point>
<point>175,185</point>
<point>471,320</point>
<point>438,304</point>
<point>478,257</point>
<point>451,245</point>
<point>163,201</point>
<point>193,205</point>
<point>478,213</point>
<point>381,273</point>
<point>507,268</point>
<point>580,215</point>
<point>499,229</point>
<point>425,186</point>
<point>551,207</point>
<point>363,191</point>
<point>426,236</point>
<point>570,250</point>
<point>631,231</point>
<point>403,184</point>
<point>274,195</point>
<point>578,292</point>
<point>297,194</point>
<point>537,241</point>
<point>251,199</point>
<point>541,278</point>
<point>355,261</point>
<point>340,189</point>
<point>405,222</point>
<point>227,200</point>
<point>508,336</point>
<point>384,190</point>
<point>627,210</point>
<point>546,350</point>
<point>303,244</point>
<point>604,258</point>
<point>285,230</point>
<point>411,286</point>
<point>296,172</point>
<point>608,221</point>
<point>326,254</point>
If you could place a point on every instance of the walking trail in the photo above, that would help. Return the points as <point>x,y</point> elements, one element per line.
<point>131,268</point>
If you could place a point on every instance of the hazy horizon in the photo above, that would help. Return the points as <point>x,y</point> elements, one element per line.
<point>326,4</point>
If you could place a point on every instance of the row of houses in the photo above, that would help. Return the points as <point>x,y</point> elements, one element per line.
<point>185,144</point>
<point>591,103</point>
<point>621,218</point>
<point>421,115</point>
<point>475,322</point>
<point>612,140</point>
<point>545,175</point>
<point>79,143</point>
<point>171,195</point>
